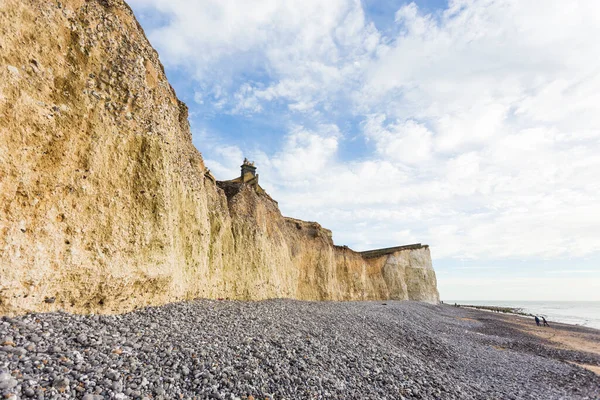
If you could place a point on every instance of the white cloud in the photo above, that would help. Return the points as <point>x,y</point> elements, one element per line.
<point>552,288</point>
<point>225,162</point>
<point>481,125</point>
<point>404,142</point>
<point>307,49</point>
<point>306,153</point>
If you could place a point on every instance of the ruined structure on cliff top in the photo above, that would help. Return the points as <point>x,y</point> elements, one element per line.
<point>248,176</point>
<point>105,204</point>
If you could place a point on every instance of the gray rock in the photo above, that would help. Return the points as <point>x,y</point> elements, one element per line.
<point>8,340</point>
<point>92,397</point>
<point>117,387</point>
<point>19,351</point>
<point>61,383</point>
<point>112,375</point>
<point>7,381</point>
<point>35,338</point>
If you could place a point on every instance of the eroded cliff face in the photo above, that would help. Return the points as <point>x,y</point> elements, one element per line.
<point>104,202</point>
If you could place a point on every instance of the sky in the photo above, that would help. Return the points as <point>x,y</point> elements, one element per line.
<point>469,125</point>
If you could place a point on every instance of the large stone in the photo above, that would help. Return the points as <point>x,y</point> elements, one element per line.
<point>7,381</point>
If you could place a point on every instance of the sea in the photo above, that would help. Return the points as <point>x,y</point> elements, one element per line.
<point>584,313</point>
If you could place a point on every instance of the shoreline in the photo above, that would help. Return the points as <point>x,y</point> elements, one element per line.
<point>561,336</point>
<point>498,309</point>
<point>569,340</point>
<point>577,313</point>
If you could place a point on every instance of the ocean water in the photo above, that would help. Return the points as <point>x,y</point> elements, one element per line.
<point>585,313</point>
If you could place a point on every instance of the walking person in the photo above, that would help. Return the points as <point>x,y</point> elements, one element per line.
<point>537,321</point>
<point>545,322</point>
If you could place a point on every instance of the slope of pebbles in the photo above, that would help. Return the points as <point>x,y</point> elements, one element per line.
<point>277,349</point>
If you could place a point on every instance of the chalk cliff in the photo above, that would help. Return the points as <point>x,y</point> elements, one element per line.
<point>105,204</point>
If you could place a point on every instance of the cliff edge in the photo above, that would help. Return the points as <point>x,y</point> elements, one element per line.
<point>105,204</point>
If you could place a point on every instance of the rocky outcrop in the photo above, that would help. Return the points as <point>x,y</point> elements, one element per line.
<point>104,201</point>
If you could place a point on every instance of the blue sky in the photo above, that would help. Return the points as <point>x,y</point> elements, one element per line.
<point>470,125</point>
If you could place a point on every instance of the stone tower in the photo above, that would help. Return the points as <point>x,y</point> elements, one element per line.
<point>248,170</point>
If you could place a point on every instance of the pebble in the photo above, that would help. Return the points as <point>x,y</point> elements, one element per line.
<point>13,70</point>
<point>7,381</point>
<point>82,338</point>
<point>279,349</point>
<point>61,383</point>
<point>92,397</point>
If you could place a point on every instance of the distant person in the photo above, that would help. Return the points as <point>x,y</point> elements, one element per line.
<point>537,321</point>
<point>545,322</point>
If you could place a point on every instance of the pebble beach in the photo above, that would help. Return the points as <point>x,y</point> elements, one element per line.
<point>285,349</point>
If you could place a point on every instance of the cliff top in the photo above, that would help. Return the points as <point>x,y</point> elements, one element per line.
<point>390,250</point>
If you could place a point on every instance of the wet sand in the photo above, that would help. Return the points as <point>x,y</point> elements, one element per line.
<point>564,336</point>
<point>572,343</point>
